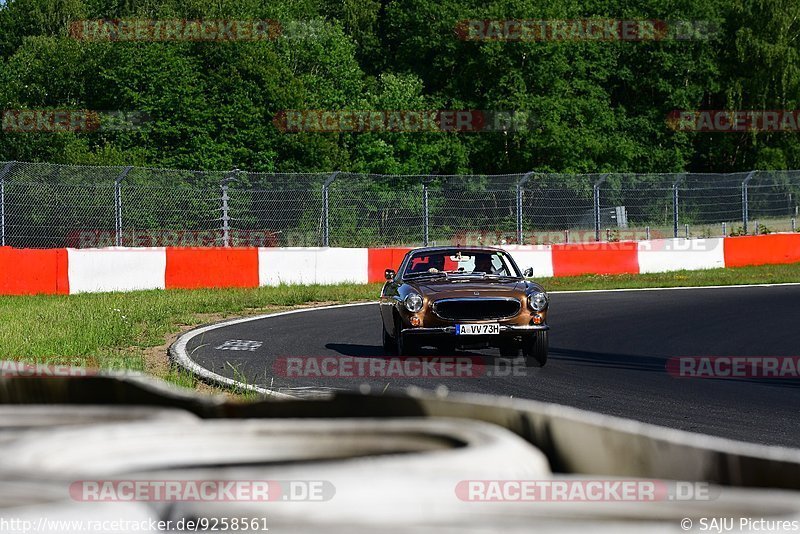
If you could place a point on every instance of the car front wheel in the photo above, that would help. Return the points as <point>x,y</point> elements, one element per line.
<point>535,349</point>
<point>404,346</point>
<point>388,342</point>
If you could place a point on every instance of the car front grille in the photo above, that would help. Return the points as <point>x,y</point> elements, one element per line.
<point>478,309</point>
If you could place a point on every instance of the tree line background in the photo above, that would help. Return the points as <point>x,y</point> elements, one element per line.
<point>599,106</point>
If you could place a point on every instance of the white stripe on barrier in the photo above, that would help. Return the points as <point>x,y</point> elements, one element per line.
<point>538,257</point>
<point>312,266</point>
<point>664,255</point>
<point>93,270</point>
<point>129,269</point>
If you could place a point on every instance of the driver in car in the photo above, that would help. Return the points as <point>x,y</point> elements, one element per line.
<point>483,264</point>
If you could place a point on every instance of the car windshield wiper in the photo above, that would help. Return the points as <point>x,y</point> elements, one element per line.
<point>481,274</point>
<point>501,276</point>
<point>426,275</point>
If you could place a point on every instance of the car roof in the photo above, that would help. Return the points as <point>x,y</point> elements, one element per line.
<point>474,248</point>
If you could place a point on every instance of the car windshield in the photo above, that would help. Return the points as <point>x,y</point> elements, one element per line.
<point>460,263</point>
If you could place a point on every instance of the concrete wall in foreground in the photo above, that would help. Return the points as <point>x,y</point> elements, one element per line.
<point>68,271</point>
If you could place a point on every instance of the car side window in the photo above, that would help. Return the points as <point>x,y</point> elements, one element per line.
<point>501,265</point>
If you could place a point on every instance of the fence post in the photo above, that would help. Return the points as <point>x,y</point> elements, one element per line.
<point>425,220</point>
<point>3,174</point>
<point>118,205</point>
<point>675,205</point>
<point>226,225</point>
<point>596,189</point>
<point>521,182</point>
<point>326,229</point>
<point>745,202</point>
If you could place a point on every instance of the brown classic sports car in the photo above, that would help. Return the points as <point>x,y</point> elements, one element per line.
<point>458,297</point>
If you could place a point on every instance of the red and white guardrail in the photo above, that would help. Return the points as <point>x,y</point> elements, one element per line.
<point>68,271</point>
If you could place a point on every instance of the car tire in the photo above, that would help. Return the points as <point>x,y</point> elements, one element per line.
<point>535,349</point>
<point>389,344</point>
<point>403,345</point>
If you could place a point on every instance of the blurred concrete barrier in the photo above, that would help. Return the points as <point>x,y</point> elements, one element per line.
<point>357,463</point>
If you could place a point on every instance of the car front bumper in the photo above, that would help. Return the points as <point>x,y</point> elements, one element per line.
<point>504,329</point>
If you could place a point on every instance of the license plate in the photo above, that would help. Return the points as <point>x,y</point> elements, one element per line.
<point>477,329</point>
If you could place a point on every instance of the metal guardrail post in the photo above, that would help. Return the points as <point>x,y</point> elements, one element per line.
<point>118,205</point>
<point>226,219</point>
<point>745,200</point>
<point>226,228</point>
<point>596,189</point>
<point>425,220</point>
<point>675,210</point>
<point>6,169</point>
<point>521,182</point>
<point>326,228</point>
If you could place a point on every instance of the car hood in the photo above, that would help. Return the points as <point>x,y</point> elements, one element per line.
<point>455,286</point>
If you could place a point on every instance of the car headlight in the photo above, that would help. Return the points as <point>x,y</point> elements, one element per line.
<point>537,301</point>
<point>413,302</point>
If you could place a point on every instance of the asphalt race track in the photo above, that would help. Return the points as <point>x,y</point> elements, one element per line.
<point>608,353</point>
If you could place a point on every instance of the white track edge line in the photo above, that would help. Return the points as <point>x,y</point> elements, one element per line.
<point>180,355</point>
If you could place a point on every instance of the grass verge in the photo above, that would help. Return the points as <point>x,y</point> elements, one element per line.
<point>132,330</point>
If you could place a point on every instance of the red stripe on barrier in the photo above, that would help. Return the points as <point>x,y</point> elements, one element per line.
<point>32,271</point>
<point>762,250</point>
<point>380,259</point>
<point>595,258</point>
<point>192,268</point>
<point>62,271</point>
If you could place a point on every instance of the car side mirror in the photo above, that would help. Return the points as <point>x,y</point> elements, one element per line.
<point>389,274</point>
<point>528,272</point>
